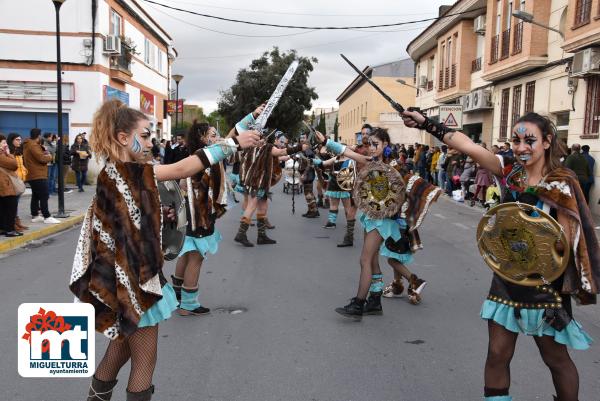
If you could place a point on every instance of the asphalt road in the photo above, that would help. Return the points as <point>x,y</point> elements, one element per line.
<point>289,344</point>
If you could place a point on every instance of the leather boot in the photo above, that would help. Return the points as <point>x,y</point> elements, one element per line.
<point>311,214</point>
<point>241,234</point>
<point>100,390</point>
<point>262,238</point>
<point>353,310</point>
<point>373,304</point>
<point>268,224</point>
<point>349,237</point>
<point>145,395</point>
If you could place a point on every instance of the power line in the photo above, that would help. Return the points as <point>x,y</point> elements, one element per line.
<point>309,27</point>
<point>228,33</point>
<point>288,13</point>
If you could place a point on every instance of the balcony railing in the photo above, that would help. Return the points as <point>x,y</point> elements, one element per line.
<point>446,77</point>
<point>518,38</point>
<point>494,49</point>
<point>453,76</point>
<point>122,61</point>
<point>429,86</point>
<point>476,65</point>
<point>505,51</point>
<point>441,81</point>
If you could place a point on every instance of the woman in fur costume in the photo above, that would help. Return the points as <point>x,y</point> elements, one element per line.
<point>207,195</point>
<point>118,261</point>
<point>543,312</point>
<point>393,237</point>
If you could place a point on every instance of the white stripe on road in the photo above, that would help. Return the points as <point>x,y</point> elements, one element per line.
<point>461,226</point>
<point>441,216</point>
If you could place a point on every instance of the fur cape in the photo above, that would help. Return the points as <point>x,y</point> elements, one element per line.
<point>118,262</point>
<point>257,168</point>
<point>209,199</point>
<point>560,189</point>
<point>419,196</point>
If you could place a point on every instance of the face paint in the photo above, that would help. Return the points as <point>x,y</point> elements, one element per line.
<point>136,146</point>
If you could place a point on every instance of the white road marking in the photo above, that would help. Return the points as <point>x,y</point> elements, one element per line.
<point>441,216</point>
<point>461,226</point>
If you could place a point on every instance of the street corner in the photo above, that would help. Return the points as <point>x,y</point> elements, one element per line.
<point>9,244</point>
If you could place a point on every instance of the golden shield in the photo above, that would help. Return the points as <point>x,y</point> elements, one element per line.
<point>346,176</point>
<point>379,190</point>
<point>523,244</point>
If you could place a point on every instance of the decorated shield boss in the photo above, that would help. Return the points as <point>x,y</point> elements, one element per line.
<point>380,190</point>
<point>523,244</point>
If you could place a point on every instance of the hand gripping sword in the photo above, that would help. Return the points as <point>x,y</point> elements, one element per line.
<point>261,122</point>
<point>397,106</point>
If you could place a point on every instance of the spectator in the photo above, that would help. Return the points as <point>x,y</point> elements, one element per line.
<point>8,192</point>
<point>591,164</point>
<point>466,176</point>
<point>81,154</point>
<point>507,150</point>
<point>84,137</point>
<point>452,165</point>
<point>433,170</point>
<point>162,150</point>
<point>423,162</point>
<point>496,149</point>
<point>441,180</point>
<point>15,148</point>
<point>180,151</point>
<point>578,163</point>
<point>36,160</point>
<point>50,145</point>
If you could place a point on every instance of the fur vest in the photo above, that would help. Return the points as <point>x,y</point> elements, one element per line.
<point>118,262</point>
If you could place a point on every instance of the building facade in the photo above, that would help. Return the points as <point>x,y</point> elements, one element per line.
<point>109,49</point>
<point>515,67</point>
<point>360,103</point>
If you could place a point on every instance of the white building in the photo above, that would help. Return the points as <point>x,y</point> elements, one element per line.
<point>109,48</point>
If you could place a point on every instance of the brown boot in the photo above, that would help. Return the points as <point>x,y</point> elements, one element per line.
<point>262,233</point>
<point>145,395</point>
<point>19,225</point>
<point>349,237</point>
<point>241,235</point>
<point>415,287</point>
<point>100,390</point>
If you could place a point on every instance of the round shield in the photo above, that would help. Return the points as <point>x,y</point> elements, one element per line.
<point>379,191</point>
<point>173,233</point>
<point>346,176</point>
<point>523,244</point>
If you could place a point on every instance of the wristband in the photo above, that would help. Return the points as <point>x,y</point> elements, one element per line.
<point>236,142</point>
<point>317,162</point>
<point>213,154</point>
<point>245,123</point>
<point>335,147</point>
<point>438,130</point>
<point>294,149</point>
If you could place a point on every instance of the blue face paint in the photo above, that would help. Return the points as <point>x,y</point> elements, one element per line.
<point>521,129</point>
<point>136,146</point>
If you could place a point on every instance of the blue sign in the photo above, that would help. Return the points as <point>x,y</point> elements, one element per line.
<point>114,93</point>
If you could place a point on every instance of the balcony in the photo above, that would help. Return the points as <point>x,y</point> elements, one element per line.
<point>505,50</point>
<point>518,38</point>
<point>494,49</point>
<point>453,76</point>
<point>120,65</point>
<point>476,65</point>
<point>582,26</point>
<point>446,77</point>
<point>429,86</point>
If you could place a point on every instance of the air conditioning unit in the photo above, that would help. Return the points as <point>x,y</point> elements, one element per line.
<point>479,25</point>
<point>423,81</point>
<point>586,62</point>
<point>112,45</point>
<point>467,102</point>
<point>481,99</point>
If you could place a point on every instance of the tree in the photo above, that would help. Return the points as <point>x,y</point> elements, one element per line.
<point>255,84</point>
<point>321,127</point>
<point>312,119</point>
<point>335,129</point>
<point>217,120</point>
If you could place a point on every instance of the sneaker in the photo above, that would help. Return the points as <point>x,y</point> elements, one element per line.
<point>68,191</point>
<point>37,219</point>
<point>81,190</point>
<point>51,220</point>
<point>393,290</point>
<point>373,306</point>
<point>329,225</point>
<point>201,310</point>
<point>13,233</point>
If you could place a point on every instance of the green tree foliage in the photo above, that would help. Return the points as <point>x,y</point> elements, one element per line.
<point>217,120</point>
<point>335,129</point>
<point>255,84</point>
<point>321,127</point>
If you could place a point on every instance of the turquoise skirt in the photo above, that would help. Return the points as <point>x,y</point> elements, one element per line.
<point>386,227</point>
<point>161,310</point>
<point>202,245</point>
<point>236,184</point>
<point>531,323</point>
<point>404,258</point>
<point>338,194</point>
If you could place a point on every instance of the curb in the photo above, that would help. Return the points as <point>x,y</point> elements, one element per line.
<point>18,242</point>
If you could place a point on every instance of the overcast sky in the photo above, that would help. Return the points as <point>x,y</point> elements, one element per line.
<point>209,61</point>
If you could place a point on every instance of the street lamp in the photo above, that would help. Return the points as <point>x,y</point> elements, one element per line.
<point>527,17</point>
<point>403,82</point>
<point>177,78</point>
<point>59,154</point>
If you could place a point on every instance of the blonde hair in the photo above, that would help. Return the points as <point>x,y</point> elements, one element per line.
<point>111,118</point>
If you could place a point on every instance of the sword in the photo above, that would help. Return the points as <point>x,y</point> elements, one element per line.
<point>397,106</point>
<point>261,121</point>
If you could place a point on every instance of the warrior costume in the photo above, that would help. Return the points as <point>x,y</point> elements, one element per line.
<point>334,191</point>
<point>308,172</point>
<point>118,262</point>
<point>546,310</point>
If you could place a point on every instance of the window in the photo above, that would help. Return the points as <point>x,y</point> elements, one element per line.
<point>509,14</point>
<point>149,53</point>
<point>592,107</point>
<point>159,61</point>
<point>504,113</point>
<point>529,96</point>
<point>516,104</point>
<point>583,9</point>
<point>522,6</point>
<point>498,16</point>
<point>115,23</point>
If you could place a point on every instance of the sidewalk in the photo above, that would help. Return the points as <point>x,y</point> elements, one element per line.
<point>76,204</point>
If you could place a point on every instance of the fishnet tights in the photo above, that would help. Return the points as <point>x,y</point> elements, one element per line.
<point>500,352</point>
<point>141,348</point>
